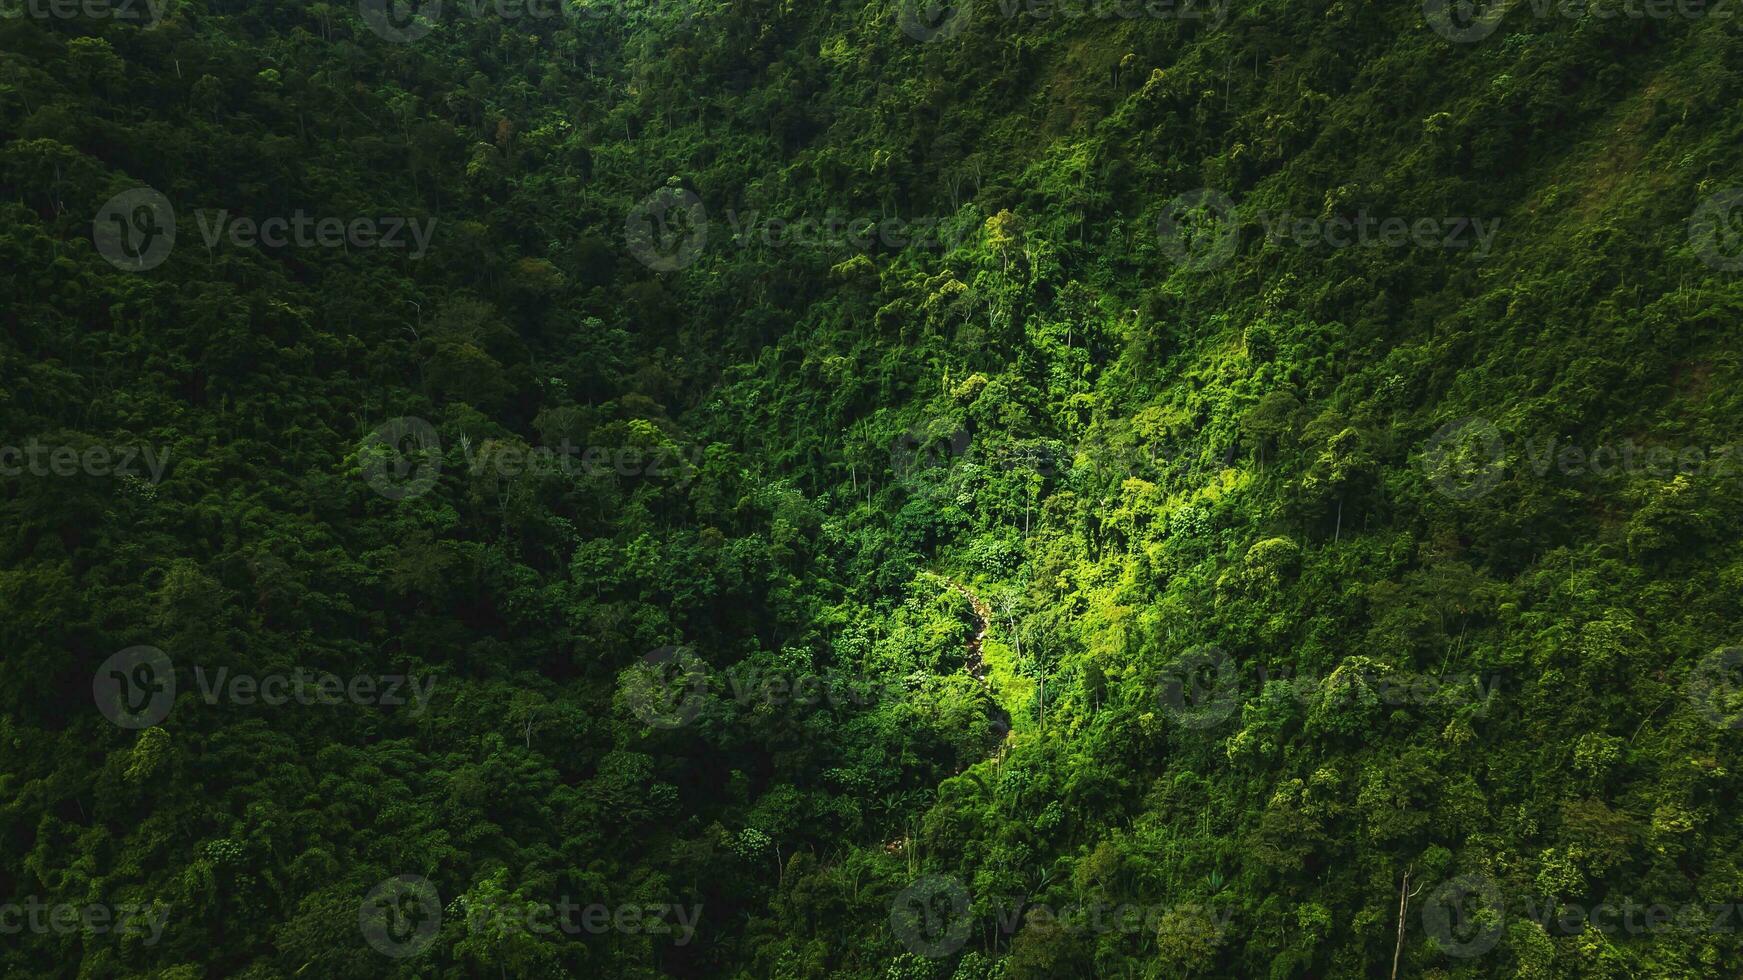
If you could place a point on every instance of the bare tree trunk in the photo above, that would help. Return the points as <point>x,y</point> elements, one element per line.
<point>1404,894</point>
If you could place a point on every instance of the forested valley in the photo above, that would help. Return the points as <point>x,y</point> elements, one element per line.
<point>1019,489</point>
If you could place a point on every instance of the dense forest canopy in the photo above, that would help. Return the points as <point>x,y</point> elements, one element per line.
<point>1158,488</point>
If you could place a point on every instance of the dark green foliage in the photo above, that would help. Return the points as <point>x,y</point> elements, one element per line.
<point>1011,481</point>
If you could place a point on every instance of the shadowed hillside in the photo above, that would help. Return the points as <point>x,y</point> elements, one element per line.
<point>1180,488</point>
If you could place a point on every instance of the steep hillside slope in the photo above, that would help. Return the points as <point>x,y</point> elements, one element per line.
<point>1324,410</point>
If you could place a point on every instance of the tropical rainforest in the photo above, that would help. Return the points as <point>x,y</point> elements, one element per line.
<point>831,489</point>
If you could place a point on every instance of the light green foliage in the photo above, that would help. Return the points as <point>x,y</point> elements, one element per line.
<point>988,478</point>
